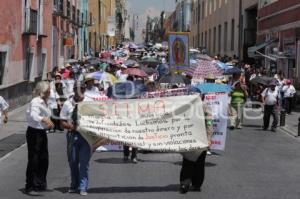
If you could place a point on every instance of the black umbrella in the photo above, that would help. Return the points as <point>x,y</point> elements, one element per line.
<point>172,79</point>
<point>148,70</point>
<point>233,71</point>
<point>264,80</point>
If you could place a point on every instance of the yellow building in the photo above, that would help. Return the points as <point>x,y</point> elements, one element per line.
<point>102,11</point>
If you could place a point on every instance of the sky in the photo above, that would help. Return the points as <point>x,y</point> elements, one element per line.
<point>144,8</point>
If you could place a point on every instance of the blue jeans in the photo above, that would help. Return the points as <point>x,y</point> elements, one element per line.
<point>79,155</point>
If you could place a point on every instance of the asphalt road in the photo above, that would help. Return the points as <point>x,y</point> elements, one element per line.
<point>255,165</point>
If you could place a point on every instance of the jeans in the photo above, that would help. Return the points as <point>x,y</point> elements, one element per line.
<point>193,171</point>
<point>38,159</point>
<point>79,155</point>
<point>270,110</point>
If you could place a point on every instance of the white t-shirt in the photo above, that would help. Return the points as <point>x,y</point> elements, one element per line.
<point>289,91</point>
<point>270,96</point>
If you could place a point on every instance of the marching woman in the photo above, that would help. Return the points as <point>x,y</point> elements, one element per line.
<point>193,164</point>
<point>38,118</point>
<point>78,150</point>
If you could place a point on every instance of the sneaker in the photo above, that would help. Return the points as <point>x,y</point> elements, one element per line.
<point>134,160</point>
<point>239,127</point>
<point>72,191</point>
<point>184,188</point>
<point>32,193</point>
<point>208,153</point>
<point>83,193</point>
<point>273,130</point>
<point>195,188</point>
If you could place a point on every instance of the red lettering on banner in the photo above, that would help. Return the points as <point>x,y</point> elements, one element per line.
<point>144,109</point>
<point>160,105</point>
<point>115,107</point>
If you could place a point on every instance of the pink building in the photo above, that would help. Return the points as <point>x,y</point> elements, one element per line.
<point>25,47</point>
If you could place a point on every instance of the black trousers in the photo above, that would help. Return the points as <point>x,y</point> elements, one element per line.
<point>288,103</point>
<point>127,153</point>
<point>270,110</point>
<point>38,159</point>
<point>193,171</point>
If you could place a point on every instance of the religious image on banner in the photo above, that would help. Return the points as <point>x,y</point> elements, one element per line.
<point>179,50</point>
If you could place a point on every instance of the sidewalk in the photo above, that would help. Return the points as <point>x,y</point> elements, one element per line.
<point>12,134</point>
<point>291,123</point>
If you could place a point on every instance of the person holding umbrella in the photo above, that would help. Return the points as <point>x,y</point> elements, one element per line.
<point>270,99</point>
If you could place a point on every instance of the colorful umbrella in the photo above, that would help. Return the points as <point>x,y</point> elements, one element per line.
<point>204,69</point>
<point>212,88</point>
<point>136,72</point>
<point>130,62</point>
<point>104,77</point>
<point>106,54</point>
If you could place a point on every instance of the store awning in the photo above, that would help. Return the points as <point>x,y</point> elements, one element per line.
<point>272,57</point>
<point>254,49</point>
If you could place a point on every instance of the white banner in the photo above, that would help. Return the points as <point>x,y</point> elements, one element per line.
<point>219,105</point>
<point>158,124</point>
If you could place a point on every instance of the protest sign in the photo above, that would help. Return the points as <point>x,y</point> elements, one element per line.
<point>160,124</point>
<point>219,105</point>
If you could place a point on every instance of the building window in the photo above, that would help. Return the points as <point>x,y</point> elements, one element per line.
<point>225,36</point>
<point>62,47</point>
<point>199,12</point>
<point>28,65</point>
<point>215,5</point>
<point>205,40</point>
<point>219,37</point>
<point>42,65</point>
<point>202,44</point>
<point>214,39</point>
<point>209,41</point>
<point>206,8</point>
<point>232,34</point>
<point>203,9</point>
<point>100,13</point>
<point>2,65</point>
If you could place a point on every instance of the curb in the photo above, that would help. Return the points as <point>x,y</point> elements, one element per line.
<point>288,131</point>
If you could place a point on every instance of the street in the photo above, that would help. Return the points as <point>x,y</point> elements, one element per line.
<point>256,164</point>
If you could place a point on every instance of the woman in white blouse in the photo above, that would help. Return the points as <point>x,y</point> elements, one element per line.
<point>38,118</point>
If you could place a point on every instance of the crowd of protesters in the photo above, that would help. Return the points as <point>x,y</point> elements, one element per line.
<point>98,78</point>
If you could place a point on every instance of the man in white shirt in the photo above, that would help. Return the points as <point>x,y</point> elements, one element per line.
<point>120,74</point>
<point>270,99</point>
<point>288,94</point>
